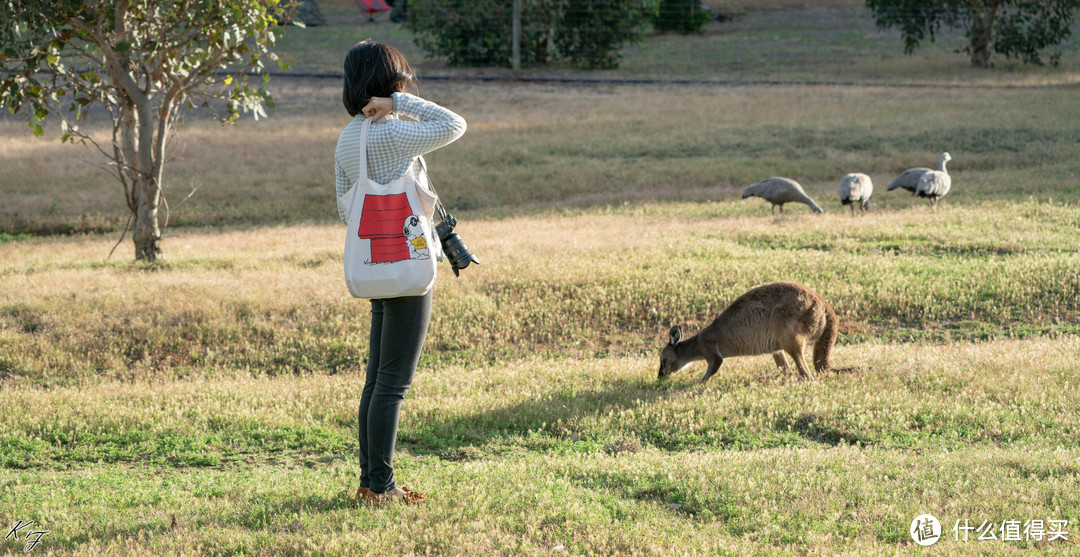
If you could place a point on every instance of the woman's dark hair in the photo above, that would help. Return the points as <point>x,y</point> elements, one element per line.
<point>374,69</point>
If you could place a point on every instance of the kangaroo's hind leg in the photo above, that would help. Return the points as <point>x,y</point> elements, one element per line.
<point>794,347</point>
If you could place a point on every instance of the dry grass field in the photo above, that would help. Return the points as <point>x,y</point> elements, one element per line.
<point>206,404</point>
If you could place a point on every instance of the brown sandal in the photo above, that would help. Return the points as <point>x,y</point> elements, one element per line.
<point>362,493</point>
<point>408,497</point>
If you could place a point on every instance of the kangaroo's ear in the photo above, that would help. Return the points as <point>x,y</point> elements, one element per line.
<point>676,335</point>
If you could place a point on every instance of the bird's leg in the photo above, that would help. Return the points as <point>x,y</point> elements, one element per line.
<point>933,203</point>
<point>773,211</point>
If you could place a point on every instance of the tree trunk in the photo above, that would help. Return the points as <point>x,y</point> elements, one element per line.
<point>147,234</point>
<point>982,29</point>
<point>147,185</point>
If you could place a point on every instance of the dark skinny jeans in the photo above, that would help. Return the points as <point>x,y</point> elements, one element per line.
<point>398,329</point>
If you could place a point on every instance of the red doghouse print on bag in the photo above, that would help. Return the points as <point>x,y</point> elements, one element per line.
<point>381,223</point>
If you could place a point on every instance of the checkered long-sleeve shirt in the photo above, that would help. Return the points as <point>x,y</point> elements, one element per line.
<point>393,144</point>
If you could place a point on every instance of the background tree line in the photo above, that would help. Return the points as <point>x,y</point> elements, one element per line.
<point>586,33</point>
<point>590,32</point>
<point>1024,29</point>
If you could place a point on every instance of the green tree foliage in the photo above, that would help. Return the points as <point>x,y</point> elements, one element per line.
<point>681,16</point>
<point>1024,29</point>
<point>479,32</point>
<point>143,61</point>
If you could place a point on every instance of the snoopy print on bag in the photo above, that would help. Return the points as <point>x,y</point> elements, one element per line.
<point>382,223</point>
<point>414,234</point>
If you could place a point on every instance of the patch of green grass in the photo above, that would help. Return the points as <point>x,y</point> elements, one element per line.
<point>839,500</point>
<point>5,238</point>
<point>1006,394</point>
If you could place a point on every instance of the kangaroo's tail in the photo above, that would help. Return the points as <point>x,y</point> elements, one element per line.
<point>824,345</point>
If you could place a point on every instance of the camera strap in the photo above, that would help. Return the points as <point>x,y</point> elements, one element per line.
<point>439,209</point>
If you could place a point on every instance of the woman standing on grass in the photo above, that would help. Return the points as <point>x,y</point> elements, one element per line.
<point>377,77</point>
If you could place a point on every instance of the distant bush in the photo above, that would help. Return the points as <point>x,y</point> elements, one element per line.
<point>681,16</point>
<point>1024,29</point>
<point>479,32</point>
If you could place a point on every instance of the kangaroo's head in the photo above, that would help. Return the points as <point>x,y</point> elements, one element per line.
<point>669,357</point>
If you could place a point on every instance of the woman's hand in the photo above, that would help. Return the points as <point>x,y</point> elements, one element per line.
<point>378,108</point>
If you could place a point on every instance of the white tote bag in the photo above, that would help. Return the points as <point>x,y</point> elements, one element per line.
<point>390,248</point>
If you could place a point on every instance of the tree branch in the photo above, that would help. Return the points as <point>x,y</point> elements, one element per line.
<point>122,235</point>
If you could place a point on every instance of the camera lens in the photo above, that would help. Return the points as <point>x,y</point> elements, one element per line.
<point>453,246</point>
<point>457,252</point>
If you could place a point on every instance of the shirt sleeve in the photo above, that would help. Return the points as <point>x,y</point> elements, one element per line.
<point>435,127</point>
<point>341,186</point>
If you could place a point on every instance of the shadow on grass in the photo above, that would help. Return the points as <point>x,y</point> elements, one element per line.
<point>281,513</point>
<point>675,498</point>
<point>814,428</point>
<point>260,516</point>
<point>459,437</point>
<point>552,423</point>
<point>544,421</point>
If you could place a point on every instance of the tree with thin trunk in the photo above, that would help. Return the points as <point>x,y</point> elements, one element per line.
<point>144,61</point>
<point>1024,29</point>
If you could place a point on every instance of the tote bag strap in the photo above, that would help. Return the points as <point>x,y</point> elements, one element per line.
<point>365,128</point>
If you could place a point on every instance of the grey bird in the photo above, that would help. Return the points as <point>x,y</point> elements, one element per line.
<point>856,189</point>
<point>935,184</point>
<point>908,179</point>
<point>779,191</point>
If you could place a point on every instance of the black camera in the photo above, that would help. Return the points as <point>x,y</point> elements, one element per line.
<point>453,246</point>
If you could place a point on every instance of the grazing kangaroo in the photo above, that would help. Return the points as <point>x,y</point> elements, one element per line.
<point>777,317</point>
